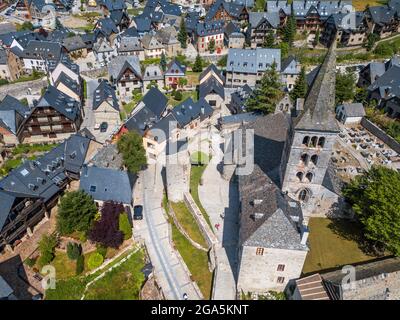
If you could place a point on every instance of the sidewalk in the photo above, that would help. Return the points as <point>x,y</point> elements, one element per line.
<point>218,197</point>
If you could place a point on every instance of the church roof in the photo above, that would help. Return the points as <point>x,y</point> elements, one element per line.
<point>320,101</point>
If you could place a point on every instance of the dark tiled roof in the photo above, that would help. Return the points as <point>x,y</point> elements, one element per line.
<point>42,50</point>
<point>174,66</point>
<point>381,14</point>
<point>252,60</point>
<point>231,8</point>
<point>211,86</point>
<point>212,68</point>
<point>11,103</point>
<point>210,28</point>
<point>320,101</point>
<point>58,100</point>
<point>69,83</point>
<point>155,101</point>
<point>106,184</point>
<point>188,110</point>
<point>74,43</point>
<point>105,92</point>
<point>388,84</point>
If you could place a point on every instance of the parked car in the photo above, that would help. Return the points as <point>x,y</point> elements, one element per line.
<point>138,212</point>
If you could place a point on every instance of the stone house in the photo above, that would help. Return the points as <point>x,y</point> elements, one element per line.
<point>382,20</point>
<point>175,71</point>
<point>75,46</point>
<point>260,24</point>
<point>153,75</point>
<point>130,46</point>
<point>290,71</point>
<point>210,31</point>
<point>168,38</point>
<point>11,67</point>
<point>105,105</point>
<point>350,113</point>
<point>152,47</point>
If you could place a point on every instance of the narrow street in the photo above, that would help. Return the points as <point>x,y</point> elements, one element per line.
<point>154,229</point>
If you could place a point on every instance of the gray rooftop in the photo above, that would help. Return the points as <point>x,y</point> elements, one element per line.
<point>106,184</point>
<point>253,60</point>
<point>320,101</point>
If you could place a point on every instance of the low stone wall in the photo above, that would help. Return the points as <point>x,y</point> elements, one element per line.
<point>380,134</point>
<point>201,222</point>
<point>20,90</point>
<point>96,73</point>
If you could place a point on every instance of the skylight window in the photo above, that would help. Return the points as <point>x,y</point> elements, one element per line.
<point>92,189</point>
<point>24,172</point>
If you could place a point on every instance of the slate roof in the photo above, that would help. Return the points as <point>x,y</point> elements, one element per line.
<point>239,97</point>
<point>381,15</point>
<point>69,83</point>
<point>231,28</point>
<point>289,66</point>
<point>353,109</point>
<point>73,43</point>
<point>112,4</point>
<point>130,32</point>
<point>106,184</point>
<point>302,8</point>
<point>210,28</point>
<point>40,178</point>
<point>232,8</point>
<point>61,102</point>
<point>10,121</point>
<point>167,35</point>
<point>150,42</point>
<point>344,21</point>
<point>188,110</point>
<point>388,84</point>
<point>153,72</point>
<point>119,64</point>
<point>143,24</point>
<point>5,289</point>
<point>160,131</point>
<point>271,223</point>
<point>108,157</point>
<point>105,26</point>
<point>239,118</point>
<point>174,66</point>
<point>66,61</point>
<point>258,18</point>
<point>105,92</point>
<point>128,44</point>
<point>320,100</point>
<point>141,120</point>
<point>155,101</point>
<point>212,68</point>
<point>11,103</point>
<point>252,61</point>
<point>42,50</point>
<point>211,85</point>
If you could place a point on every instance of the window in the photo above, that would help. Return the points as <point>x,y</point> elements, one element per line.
<point>306,140</point>
<point>305,158</point>
<point>321,142</point>
<point>314,141</point>
<point>299,176</point>
<point>304,195</point>
<point>92,189</point>
<point>309,176</point>
<point>281,267</point>
<point>314,159</point>
<point>281,280</point>
<point>260,251</point>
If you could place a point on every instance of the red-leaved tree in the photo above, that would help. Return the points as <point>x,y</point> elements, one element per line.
<point>106,230</point>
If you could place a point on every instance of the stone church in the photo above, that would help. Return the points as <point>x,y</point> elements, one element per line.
<point>291,177</point>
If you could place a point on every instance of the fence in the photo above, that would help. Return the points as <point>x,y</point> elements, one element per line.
<point>380,134</point>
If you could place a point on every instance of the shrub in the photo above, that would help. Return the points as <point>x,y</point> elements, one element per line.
<point>125,226</point>
<point>74,250</point>
<point>95,260</point>
<point>106,230</point>
<point>102,250</point>
<point>178,95</point>
<point>46,247</point>
<point>80,265</point>
<point>130,145</point>
<point>30,262</point>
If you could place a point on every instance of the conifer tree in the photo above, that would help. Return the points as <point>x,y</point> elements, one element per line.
<point>300,86</point>
<point>269,40</point>
<point>198,64</point>
<point>182,35</point>
<point>163,61</point>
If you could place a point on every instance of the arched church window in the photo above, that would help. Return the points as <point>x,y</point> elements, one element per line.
<point>314,159</point>
<point>321,142</point>
<point>305,158</point>
<point>306,140</point>
<point>309,176</point>
<point>304,195</point>
<point>299,176</point>
<point>314,141</point>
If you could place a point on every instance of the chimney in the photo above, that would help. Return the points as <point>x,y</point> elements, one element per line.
<point>85,170</point>
<point>304,234</point>
<point>202,110</point>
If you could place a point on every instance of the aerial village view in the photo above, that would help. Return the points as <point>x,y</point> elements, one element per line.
<point>199,150</point>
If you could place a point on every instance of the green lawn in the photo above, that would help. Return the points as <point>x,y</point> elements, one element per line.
<point>32,148</point>
<point>188,223</point>
<point>122,283</point>
<point>196,260</point>
<point>333,243</point>
<point>259,5</point>
<point>13,163</point>
<point>134,11</point>
<point>192,78</point>
<point>185,95</point>
<point>195,175</point>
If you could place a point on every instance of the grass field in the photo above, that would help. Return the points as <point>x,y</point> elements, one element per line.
<point>195,175</point>
<point>185,95</point>
<point>333,243</point>
<point>362,4</point>
<point>188,223</point>
<point>195,259</point>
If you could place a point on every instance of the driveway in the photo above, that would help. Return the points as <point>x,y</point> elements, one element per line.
<point>154,229</point>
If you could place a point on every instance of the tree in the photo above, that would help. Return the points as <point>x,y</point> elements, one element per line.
<point>267,94</point>
<point>178,95</point>
<point>182,35</point>
<point>152,84</point>
<point>95,260</point>
<point>269,40</point>
<point>374,197</point>
<point>284,49</point>
<point>198,64</point>
<point>163,61</point>
<point>345,87</point>
<point>300,86</point>
<point>211,45</point>
<point>76,212</point>
<point>222,61</point>
<point>289,30</point>
<point>74,250</point>
<point>125,225</point>
<point>80,265</point>
<point>372,38</point>
<point>26,26</point>
<point>130,145</point>
<point>47,246</point>
<point>182,82</point>
<point>106,231</point>
<point>316,38</point>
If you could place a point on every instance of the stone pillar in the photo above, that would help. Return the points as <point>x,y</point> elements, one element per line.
<point>29,231</point>
<point>9,248</point>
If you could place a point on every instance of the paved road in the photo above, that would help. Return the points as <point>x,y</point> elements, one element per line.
<point>154,229</point>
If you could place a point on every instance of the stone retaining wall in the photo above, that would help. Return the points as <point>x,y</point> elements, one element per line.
<point>20,90</point>
<point>380,134</point>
